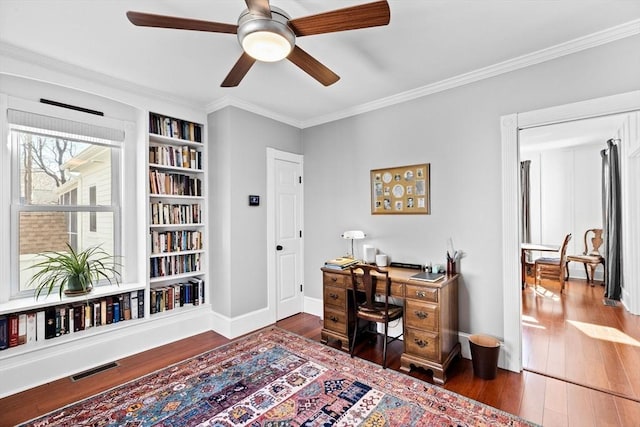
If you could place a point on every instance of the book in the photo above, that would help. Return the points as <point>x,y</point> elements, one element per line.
<point>109,310</point>
<point>40,325</point>
<point>50,322</point>
<point>340,263</point>
<point>22,328</point>
<point>13,330</point>
<point>425,276</point>
<point>141,304</point>
<point>31,328</point>
<point>4,333</point>
<point>116,311</point>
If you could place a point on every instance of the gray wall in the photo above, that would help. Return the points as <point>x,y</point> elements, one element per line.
<point>458,133</point>
<point>237,168</point>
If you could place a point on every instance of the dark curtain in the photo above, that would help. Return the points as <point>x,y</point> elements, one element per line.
<point>525,201</point>
<point>612,218</point>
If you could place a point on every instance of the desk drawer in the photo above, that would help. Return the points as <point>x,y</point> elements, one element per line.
<point>423,293</point>
<point>421,315</point>
<point>422,344</point>
<point>335,296</point>
<point>336,320</point>
<point>335,279</point>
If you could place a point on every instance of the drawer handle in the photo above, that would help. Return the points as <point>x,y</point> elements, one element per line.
<point>421,314</point>
<point>334,279</point>
<point>420,343</point>
<point>421,294</point>
<point>333,296</point>
<point>333,318</point>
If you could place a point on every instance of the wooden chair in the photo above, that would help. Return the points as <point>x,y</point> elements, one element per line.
<point>553,268</point>
<point>591,256</point>
<point>367,308</point>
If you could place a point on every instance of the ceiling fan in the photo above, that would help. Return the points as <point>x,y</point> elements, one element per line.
<point>266,33</point>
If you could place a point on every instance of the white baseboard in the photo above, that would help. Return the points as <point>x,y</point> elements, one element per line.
<point>313,306</point>
<point>237,326</point>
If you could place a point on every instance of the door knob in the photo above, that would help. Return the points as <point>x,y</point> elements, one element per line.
<point>279,248</point>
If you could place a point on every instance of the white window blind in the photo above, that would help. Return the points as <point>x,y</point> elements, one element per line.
<point>63,127</point>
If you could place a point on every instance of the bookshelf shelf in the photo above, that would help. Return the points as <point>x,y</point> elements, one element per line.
<point>161,254</point>
<point>174,196</point>
<point>173,277</point>
<point>176,211</point>
<point>186,225</point>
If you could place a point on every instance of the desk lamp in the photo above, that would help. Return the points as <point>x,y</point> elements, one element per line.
<point>353,235</point>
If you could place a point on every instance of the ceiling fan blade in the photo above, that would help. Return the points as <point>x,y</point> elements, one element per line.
<point>142,19</point>
<point>312,66</point>
<point>238,71</point>
<point>350,18</point>
<point>259,7</point>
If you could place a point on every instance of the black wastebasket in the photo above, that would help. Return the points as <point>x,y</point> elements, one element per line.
<point>484,356</point>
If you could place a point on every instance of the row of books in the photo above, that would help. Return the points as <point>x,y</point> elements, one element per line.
<point>164,214</point>
<point>183,157</point>
<point>175,241</point>
<point>174,264</point>
<point>174,128</point>
<point>340,263</point>
<point>177,295</point>
<point>51,322</point>
<point>174,184</point>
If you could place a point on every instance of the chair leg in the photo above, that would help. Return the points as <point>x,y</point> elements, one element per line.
<point>384,346</point>
<point>586,271</point>
<point>592,268</point>
<point>353,340</point>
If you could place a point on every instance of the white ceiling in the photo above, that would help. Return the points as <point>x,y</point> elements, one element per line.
<point>427,42</point>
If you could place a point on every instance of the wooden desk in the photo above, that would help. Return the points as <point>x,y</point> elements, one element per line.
<point>430,321</point>
<point>525,247</point>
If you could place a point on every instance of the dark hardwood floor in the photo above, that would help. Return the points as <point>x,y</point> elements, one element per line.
<point>557,344</point>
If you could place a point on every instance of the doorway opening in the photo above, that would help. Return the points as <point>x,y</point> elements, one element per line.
<point>511,274</point>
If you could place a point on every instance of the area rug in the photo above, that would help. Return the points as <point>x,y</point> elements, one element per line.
<point>274,378</point>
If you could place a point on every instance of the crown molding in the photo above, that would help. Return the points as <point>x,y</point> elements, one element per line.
<point>47,62</point>
<point>230,101</point>
<point>589,41</point>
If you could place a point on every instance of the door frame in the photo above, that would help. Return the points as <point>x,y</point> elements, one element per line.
<point>510,127</point>
<point>273,155</point>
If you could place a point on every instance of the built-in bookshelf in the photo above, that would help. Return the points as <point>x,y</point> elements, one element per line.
<point>176,209</point>
<point>37,325</point>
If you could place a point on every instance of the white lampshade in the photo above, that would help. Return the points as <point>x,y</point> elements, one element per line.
<point>353,234</point>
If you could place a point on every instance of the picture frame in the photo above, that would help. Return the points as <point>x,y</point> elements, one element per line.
<point>401,190</point>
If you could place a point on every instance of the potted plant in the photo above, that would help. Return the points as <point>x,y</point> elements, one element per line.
<point>74,272</point>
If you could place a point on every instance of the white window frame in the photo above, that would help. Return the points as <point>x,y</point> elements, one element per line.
<point>13,184</point>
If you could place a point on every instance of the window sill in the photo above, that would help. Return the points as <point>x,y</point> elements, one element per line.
<point>30,303</point>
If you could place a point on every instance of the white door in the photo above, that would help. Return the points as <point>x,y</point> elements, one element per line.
<point>287,232</point>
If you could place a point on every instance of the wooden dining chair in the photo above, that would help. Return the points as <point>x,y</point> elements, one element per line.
<point>553,268</point>
<point>590,257</point>
<point>366,307</point>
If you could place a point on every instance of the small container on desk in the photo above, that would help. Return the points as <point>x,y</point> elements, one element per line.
<point>451,267</point>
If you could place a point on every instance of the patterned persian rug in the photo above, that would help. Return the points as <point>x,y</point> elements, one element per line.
<point>273,378</point>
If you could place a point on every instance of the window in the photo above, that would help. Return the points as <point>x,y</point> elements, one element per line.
<point>58,167</point>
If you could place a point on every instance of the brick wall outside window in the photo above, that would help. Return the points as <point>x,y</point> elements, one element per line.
<point>42,231</point>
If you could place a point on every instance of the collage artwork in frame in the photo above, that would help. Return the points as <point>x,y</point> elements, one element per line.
<point>400,190</point>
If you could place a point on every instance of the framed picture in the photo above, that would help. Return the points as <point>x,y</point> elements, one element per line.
<point>401,190</point>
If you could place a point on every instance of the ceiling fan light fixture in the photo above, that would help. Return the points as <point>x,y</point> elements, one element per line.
<point>266,46</point>
<point>264,39</point>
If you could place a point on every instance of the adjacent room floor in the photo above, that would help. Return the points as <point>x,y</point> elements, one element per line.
<point>576,337</point>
